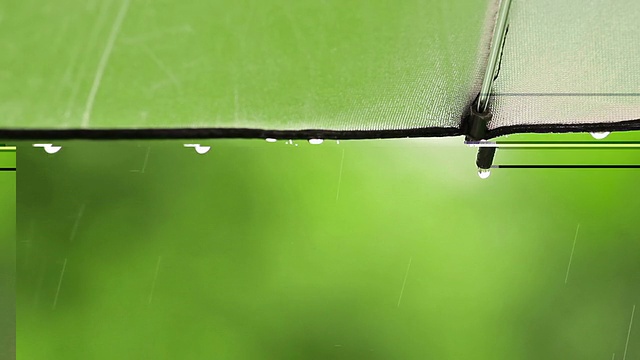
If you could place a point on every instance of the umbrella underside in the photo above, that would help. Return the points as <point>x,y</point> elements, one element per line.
<point>332,69</point>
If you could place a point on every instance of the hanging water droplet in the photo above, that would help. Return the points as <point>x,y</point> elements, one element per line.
<point>484,173</point>
<point>338,142</point>
<point>315,141</point>
<point>600,135</point>
<point>49,148</point>
<point>52,149</point>
<point>271,140</point>
<point>202,149</point>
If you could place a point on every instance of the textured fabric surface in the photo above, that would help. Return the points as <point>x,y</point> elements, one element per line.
<point>274,65</point>
<point>569,64</point>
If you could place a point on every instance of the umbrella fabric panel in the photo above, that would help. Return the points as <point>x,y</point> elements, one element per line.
<point>569,64</point>
<point>275,65</point>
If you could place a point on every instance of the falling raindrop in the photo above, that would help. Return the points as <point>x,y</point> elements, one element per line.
<point>600,135</point>
<point>484,173</point>
<point>315,141</point>
<point>271,140</point>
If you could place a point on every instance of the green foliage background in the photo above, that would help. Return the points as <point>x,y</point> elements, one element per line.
<point>7,254</point>
<point>388,249</point>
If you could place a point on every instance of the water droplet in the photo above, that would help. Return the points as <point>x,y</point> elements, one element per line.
<point>484,173</point>
<point>271,140</point>
<point>600,135</point>
<point>338,142</point>
<point>202,149</point>
<point>315,141</point>
<point>52,149</point>
<point>49,148</point>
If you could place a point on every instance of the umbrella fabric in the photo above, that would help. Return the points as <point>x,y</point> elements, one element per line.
<point>569,65</point>
<point>331,69</point>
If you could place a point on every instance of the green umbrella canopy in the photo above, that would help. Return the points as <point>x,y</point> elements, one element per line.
<point>303,69</point>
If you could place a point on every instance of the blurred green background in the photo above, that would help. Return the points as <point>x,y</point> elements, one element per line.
<point>7,253</point>
<point>381,249</point>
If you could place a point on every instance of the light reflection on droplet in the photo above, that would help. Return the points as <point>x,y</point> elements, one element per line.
<point>484,173</point>
<point>271,140</point>
<point>315,141</point>
<point>600,135</point>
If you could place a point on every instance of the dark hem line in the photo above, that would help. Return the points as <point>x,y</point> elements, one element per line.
<point>222,133</point>
<point>246,133</point>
